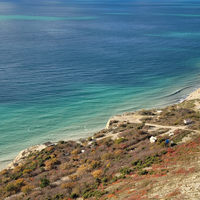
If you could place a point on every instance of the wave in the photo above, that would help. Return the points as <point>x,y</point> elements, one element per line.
<point>176,92</point>
<point>5,161</point>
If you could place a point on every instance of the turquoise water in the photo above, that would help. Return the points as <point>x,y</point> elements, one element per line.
<point>67,67</point>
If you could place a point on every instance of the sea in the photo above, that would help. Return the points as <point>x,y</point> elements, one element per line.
<point>67,66</point>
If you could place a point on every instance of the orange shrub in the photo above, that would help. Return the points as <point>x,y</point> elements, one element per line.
<point>55,161</point>
<point>97,173</point>
<point>3,172</point>
<point>15,186</point>
<point>32,158</point>
<point>18,169</point>
<point>65,166</point>
<point>19,183</point>
<point>40,156</point>
<point>73,177</point>
<point>108,165</point>
<point>76,151</point>
<point>49,164</point>
<point>82,168</point>
<point>27,171</point>
<point>53,155</point>
<point>27,189</point>
<point>107,156</point>
<point>68,185</point>
<point>71,171</point>
<point>118,152</point>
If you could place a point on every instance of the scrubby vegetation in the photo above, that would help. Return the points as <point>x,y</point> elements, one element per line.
<point>70,170</point>
<point>83,172</point>
<point>175,115</point>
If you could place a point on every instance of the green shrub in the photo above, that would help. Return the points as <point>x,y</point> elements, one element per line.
<point>40,163</point>
<point>163,144</point>
<point>95,164</point>
<point>11,187</point>
<point>163,152</point>
<point>44,182</point>
<point>122,176</point>
<point>58,197</point>
<point>140,127</point>
<point>104,180</point>
<point>151,172</point>
<point>74,195</point>
<point>89,138</point>
<point>151,160</point>
<point>114,179</point>
<point>147,162</point>
<point>107,156</point>
<point>27,189</point>
<point>178,121</point>
<point>125,170</point>
<point>139,164</point>
<point>120,140</point>
<point>105,170</point>
<point>96,193</point>
<point>143,172</point>
<point>135,162</point>
<point>160,140</point>
<point>1,191</point>
<point>15,176</point>
<point>33,166</point>
<point>27,171</point>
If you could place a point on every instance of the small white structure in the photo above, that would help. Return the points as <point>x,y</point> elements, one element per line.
<point>159,111</point>
<point>153,139</point>
<point>82,151</point>
<point>187,121</point>
<point>170,134</point>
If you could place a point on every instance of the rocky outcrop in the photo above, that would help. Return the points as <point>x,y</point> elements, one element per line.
<point>194,95</point>
<point>128,117</point>
<point>21,158</point>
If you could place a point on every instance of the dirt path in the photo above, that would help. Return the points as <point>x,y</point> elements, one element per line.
<point>173,128</point>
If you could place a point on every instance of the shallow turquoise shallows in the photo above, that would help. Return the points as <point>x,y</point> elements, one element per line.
<point>66,67</point>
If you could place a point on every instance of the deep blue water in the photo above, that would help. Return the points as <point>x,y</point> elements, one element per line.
<point>66,67</point>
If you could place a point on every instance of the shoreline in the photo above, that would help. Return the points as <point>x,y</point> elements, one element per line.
<point>24,153</point>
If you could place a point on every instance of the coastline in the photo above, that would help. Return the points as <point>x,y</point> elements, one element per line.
<point>125,117</point>
<point>134,147</point>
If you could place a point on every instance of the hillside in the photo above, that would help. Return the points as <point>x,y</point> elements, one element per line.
<point>118,162</point>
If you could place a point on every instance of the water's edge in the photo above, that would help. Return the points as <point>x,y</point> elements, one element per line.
<point>24,153</point>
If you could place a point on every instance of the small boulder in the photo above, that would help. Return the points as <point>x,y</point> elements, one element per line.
<point>153,139</point>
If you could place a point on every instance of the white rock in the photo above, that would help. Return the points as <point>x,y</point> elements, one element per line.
<point>159,111</point>
<point>153,139</point>
<point>20,159</point>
